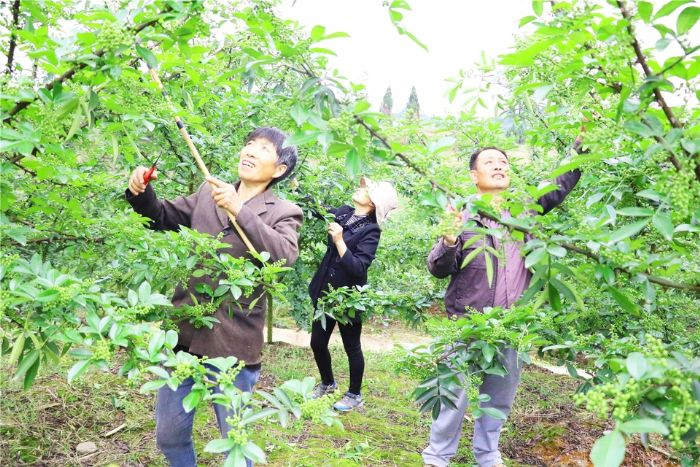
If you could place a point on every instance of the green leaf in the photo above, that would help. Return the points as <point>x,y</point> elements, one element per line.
<point>353,163</point>
<point>554,298</point>
<point>637,365</point>
<point>488,351</point>
<point>254,453</point>
<point>535,257</point>
<point>156,343</point>
<point>235,458</point>
<point>220,445</point>
<point>148,56</point>
<point>644,425</point>
<point>635,212</point>
<point>493,413</point>
<point>190,402</point>
<point>299,114</point>
<point>301,138</point>
<point>687,19</point>
<point>31,373</point>
<point>470,257</point>
<point>526,20</point>
<point>78,369</point>
<point>317,32</point>
<point>152,386</point>
<point>144,292</point>
<point>609,451</point>
<point>639,128</point>
<point>489,268</point>
<point>645,10</point>
<point>556,250</point>
<point>627,231</point>
<point>335,35</point>
<point>669,8</point>
<point>663,223</point>
<point>567,291</point>
<point>171,338</point>
<point>538,7</point>
<point>623,301</point>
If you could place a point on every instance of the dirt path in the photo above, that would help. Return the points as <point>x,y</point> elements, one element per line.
<point>372,340</point>
<point>386,339</point>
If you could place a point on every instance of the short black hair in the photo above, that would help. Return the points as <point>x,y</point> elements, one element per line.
<point>475,155</point>
<point>286,155</point>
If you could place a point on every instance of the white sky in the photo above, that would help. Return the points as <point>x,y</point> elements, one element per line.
<point>455,31</point>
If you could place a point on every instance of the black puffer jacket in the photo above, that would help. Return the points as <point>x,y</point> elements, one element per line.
<point>361,240</point>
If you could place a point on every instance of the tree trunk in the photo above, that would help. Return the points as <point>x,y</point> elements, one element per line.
<point>269,318</point>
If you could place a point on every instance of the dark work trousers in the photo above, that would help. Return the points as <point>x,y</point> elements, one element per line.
<point>353,348</point>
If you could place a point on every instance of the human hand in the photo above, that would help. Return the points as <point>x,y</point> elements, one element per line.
<point>335,231</point>
<point>225,195</point>
<point>137,185</point>
<point>451,226</point>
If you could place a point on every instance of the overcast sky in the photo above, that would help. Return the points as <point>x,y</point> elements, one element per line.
<point>455,31</point>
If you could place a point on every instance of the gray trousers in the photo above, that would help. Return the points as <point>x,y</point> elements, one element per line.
<point>446,430</point>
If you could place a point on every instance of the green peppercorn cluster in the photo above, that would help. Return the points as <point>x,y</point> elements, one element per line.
<point>228,377</point>
<point>238,432</point>
<point>234,274</point>
<point>195,313</point>
<point>473,385</point>
<point>101,351</point>
<point>618,258</point>
<point>64,298</point>
<point>654,347</point>
<point>134,313</point>
<point>316,409</point>
<point>183,370</point>
<point>681,190</point>
<point>341,125</point>
<point>113,37</point>
<point>8,260</point>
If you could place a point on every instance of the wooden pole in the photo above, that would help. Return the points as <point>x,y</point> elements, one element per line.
<point>197,156</point>
<point>269,318</point>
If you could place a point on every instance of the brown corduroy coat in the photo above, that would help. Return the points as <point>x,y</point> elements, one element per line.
<point>271,224</point>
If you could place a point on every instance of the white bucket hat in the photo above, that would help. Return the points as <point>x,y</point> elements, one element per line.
<point>383,196</point>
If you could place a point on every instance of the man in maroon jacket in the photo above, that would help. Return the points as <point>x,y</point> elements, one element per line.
<point>469,289</point>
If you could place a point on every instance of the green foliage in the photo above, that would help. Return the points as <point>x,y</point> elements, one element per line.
<point>653,390</point>
<point>618,261</point>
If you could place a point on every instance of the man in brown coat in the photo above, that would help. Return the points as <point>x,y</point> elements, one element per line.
<point>271,224</point>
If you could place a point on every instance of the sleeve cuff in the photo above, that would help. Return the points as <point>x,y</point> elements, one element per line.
<point>346,261</point>
<point>245,216</point>
<point>141,202</point>
<point>444,247</point>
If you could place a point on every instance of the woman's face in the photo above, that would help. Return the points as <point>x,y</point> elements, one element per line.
<point>361,197</point>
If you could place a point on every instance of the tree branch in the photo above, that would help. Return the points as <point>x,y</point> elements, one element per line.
<point>679,59</point>
<point>403,158</point>
<point>66,238</point>
<point>68,75</point>
<point>13,37</point>
<point>641,59</point>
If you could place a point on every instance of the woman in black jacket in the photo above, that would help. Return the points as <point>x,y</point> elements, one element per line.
<point>352,243</point>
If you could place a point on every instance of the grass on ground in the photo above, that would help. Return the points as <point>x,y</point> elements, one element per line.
<point>42,426</point>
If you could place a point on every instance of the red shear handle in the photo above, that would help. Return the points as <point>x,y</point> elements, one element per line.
<point>149,173</point>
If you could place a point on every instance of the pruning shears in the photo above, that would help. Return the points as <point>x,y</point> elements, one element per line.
<point>147,176</point>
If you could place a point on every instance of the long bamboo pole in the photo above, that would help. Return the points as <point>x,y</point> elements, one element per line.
<point>195,154</point>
